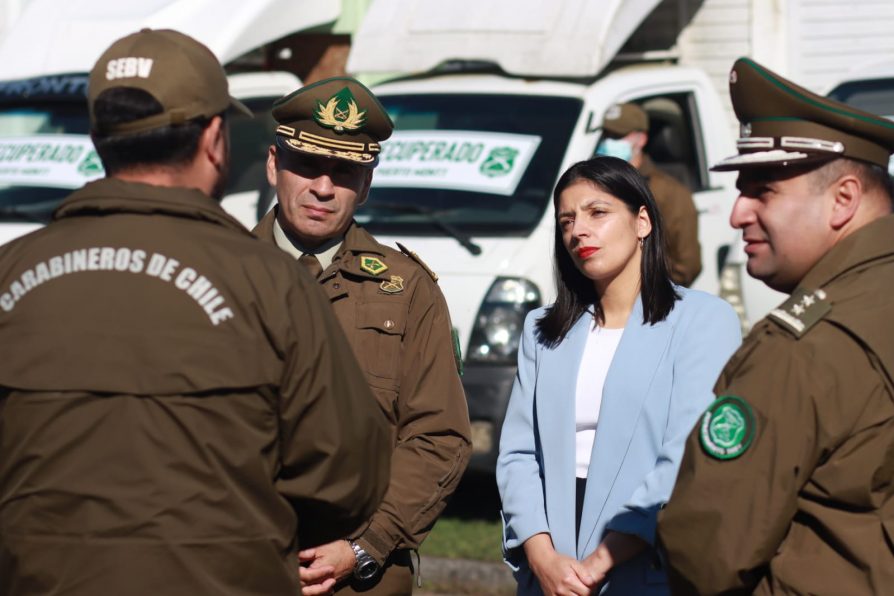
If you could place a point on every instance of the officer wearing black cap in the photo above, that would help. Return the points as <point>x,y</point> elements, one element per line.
<point>786,485</point>
<point>179,409</point>
<point>389,305</point>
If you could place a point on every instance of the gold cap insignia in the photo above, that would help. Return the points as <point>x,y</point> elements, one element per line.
<point>372,265</point>
<point>393,286</point>
<point>340,112</point>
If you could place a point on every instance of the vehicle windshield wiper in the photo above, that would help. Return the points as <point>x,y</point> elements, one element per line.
<point>432,216</point>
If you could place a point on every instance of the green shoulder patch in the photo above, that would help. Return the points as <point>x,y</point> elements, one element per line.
<point>372,265</point>
<point>803,310</point>
<point>727,427</point>
<point>416,258</point>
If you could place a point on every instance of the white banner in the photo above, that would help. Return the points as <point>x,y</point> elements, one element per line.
<point>63,161</point>
<point>477,161</point>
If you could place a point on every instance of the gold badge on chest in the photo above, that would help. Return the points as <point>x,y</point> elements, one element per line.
<point>395,285</point>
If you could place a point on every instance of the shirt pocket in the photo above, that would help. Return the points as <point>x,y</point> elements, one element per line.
<point>380,330</point>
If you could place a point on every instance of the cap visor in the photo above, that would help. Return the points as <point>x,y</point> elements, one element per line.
<point>777,157</point>
<point>308,149</point>
<point>239,107</point>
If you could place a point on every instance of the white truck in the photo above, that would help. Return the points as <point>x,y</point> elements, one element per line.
<point>505,97</point>
<point>45,149</point>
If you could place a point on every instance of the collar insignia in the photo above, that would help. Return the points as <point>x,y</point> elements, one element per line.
<point>393,286</point>
<point>372,265</point>
<point>340,112</point>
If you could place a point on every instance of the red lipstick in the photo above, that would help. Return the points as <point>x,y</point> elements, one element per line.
<point>586,251</point>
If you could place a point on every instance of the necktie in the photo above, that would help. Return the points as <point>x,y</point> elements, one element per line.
<point>312,263</point>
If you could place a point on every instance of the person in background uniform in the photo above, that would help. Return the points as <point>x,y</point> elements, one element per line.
<point>625,134</point>
<point>395,317</point>
<point>176,399</point>
<point>786,484</point>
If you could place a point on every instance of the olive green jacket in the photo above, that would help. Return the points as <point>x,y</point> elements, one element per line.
<point>396,320</point>
<point>177,402</point>
<point>807,506</point>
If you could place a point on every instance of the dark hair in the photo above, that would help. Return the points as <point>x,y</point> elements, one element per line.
<point>576,293</point>
<point>168,146</point>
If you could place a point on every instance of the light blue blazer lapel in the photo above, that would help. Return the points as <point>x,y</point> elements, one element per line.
<point>629,377</point>
<point>556,387</point>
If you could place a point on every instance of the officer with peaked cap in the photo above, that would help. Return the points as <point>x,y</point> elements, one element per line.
<point>176,399</point>
<point>786,485</point>
<point>389,305</point>
<point>625,135</point>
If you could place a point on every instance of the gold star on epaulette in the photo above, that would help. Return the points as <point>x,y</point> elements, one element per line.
<point>803,310</point>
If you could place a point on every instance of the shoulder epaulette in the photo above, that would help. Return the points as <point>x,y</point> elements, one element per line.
<point>416,258</point>
<point>803,310</point>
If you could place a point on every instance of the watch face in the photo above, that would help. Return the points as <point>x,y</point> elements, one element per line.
<point>366,569</point>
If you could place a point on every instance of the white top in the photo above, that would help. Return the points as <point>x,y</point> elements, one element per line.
<point>598,353</point>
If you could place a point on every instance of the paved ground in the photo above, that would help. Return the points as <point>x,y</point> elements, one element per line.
<point>452,577</point>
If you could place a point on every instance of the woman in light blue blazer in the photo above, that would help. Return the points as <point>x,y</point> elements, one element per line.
<point>655,348</point>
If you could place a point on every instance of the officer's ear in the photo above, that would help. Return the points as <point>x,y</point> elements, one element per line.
<point>213,143</point>
<point>271,166</point>
<point>847,195</point>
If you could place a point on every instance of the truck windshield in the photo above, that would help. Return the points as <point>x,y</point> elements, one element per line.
<point>872,95</point>
<point>482,164</point>
<point>46,152</point>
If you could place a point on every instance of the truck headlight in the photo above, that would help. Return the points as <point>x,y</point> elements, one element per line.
<point>499,323</point>
<point>731,291</point>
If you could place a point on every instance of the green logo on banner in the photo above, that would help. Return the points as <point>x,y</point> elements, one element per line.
<point>499,161</point>
<point>91,165</point>
<point>727,427</point>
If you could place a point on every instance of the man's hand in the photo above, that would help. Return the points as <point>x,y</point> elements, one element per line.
<point>558,575</point>
<point>324,566</point>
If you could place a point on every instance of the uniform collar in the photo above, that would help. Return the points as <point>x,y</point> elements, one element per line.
<point>324,253</point>
<point>358,240</point>
<point>357,243</point>
<point>111,195</point>
<point>871,242</point>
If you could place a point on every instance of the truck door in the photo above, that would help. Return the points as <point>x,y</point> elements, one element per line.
<point>678,147</point>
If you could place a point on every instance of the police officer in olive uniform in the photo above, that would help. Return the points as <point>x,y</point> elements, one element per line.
<point>395,317</point>
<point>625,134</point>
<point>786,485</point>
<point>176,398</point>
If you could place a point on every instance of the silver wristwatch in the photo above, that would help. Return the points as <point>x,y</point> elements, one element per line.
<point>365,566</point>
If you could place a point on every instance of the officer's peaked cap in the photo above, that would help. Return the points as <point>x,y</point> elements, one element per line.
<point>336,118</point>
<point>784,124</point>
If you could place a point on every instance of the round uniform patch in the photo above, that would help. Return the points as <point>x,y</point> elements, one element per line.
<point>727,427</point>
